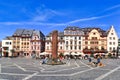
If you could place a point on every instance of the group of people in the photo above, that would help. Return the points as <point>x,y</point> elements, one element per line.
<point>95,63</point>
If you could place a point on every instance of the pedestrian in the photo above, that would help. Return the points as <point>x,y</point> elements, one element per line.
<point>98,60</point>
<point>90,60</point>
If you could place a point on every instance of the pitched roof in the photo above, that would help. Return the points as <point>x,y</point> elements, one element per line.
<point>88,30</point>
<point>39,33</point>
<point>27,32</point>
<point>18,32</point>
<point>72,28</point>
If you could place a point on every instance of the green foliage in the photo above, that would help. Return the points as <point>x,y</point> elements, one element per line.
<point>61,55</point>
<point>109,55</point>
<point>12,51</point>
<point>91,55</point>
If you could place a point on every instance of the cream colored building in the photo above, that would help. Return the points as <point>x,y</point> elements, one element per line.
<point>23,42</point>
<point>95,40</point>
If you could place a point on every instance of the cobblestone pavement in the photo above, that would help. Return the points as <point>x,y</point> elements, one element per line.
<point>31,69</point>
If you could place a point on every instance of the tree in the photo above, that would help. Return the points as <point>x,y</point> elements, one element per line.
<point>61,55</point>
<point>92,53</point>
<point>13,52</point>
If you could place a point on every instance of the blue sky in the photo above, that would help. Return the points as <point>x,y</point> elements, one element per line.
<point>48,15</point>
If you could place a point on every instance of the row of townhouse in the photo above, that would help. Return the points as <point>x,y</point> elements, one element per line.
<point>23,42</point>
<point>76,41</point>
<point>73,40</point>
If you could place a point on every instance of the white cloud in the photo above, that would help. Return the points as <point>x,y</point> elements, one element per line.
<point>31,23</point>
<point>87,19</point>
<point>43,13</point>
<point>113,7</point>
<point>53,24</point>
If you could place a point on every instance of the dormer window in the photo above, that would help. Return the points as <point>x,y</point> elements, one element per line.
<point>94,33</point>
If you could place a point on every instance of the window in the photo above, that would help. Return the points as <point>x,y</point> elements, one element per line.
<point>18,47</point>
<point>96,42</point>
<point>7,43</point>
<point>79,42</point>
<point>113,48</point>
<point>110,48</point>
<point>111,33</point>
<point>47,47</point>
<point>113,38</point>
<point>94,38</point>
<point>91,42</point>
<point>66,42</point>
<point>60,47</point>
<point>79,38</point>
<point>94,33</point>
<point>86,42</point>
<point>70,42</point>
<point>75,47</point>
<point>75,38</point>
<point>47,42</point>
<point>110,43</point>
<point>71,47</point>
<point>113,43</point>
<point>75,42</point>
<point>110,38</point>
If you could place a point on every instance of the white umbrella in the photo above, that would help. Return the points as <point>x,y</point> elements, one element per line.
<point>81,54</point>
<point>44,53</point>
<point>66,53</point>
<point>73,53</point>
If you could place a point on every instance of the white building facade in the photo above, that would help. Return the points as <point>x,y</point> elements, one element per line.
<point>112,40</point>
<point>73,41</point>
<point>7,47</point>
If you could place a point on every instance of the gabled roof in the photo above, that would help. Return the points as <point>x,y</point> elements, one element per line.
<point>88,30</point>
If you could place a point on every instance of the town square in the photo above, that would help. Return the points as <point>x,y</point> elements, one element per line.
<point>32,69</point>
<point>59,40</point>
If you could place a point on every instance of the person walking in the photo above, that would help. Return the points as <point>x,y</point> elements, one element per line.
<point>98,61</point>
<point>90,60</point>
